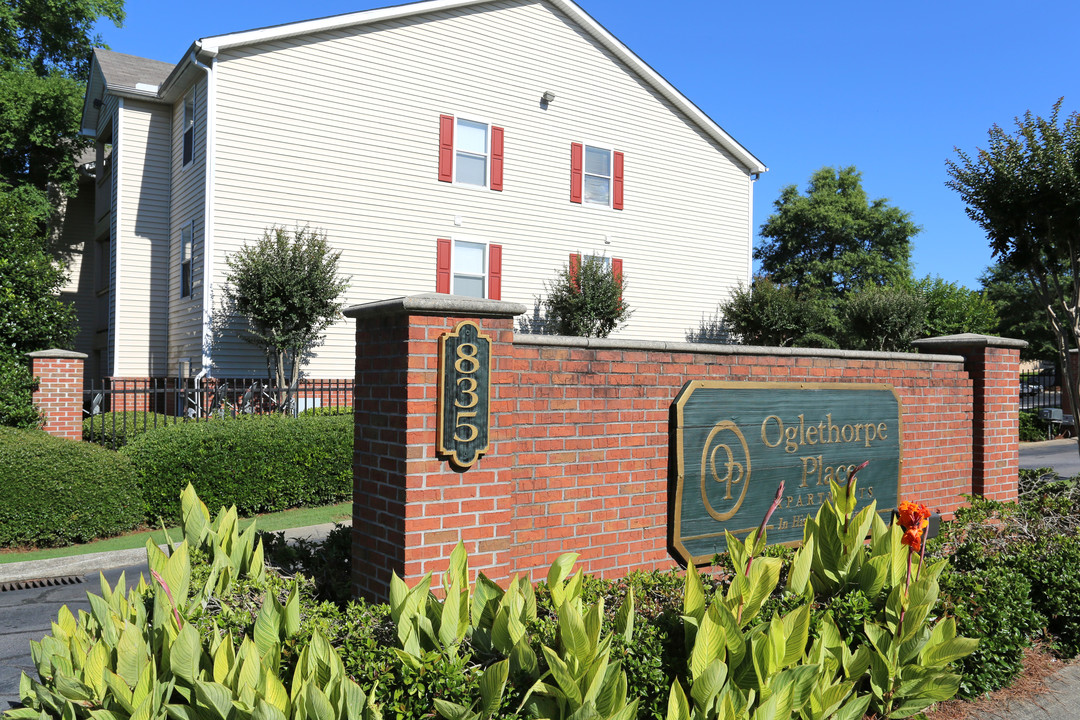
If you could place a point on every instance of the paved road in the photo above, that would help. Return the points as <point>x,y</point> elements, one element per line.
<point>27,615</point>
<point>1062,455</point>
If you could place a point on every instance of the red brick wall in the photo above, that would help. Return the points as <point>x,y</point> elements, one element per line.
<point>59,392</point>
<point>580,440</point>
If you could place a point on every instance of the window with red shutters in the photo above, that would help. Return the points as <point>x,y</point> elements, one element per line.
<point>471,152</point>
<point>469,268</point>
<point>596,176</point>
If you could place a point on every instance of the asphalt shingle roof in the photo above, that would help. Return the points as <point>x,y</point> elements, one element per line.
<point>122,70</point>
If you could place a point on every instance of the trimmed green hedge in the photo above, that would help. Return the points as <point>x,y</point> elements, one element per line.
<point>59,492</point>
<point>260,463</point>
<point>116,429</point>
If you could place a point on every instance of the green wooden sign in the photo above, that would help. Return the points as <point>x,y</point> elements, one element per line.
<point>464,394</point>
<point>735,442</point>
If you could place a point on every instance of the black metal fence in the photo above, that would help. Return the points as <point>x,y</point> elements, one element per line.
<point>114,410</point>
<point>1040,390</point>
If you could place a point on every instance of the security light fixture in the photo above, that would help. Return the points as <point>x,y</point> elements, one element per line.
<point>547,97</point>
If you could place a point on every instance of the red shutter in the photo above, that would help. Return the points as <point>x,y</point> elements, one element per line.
<point>575,264</point>
<point>446,148</point>
<point>575,172</point>
<point>494,272</point>
<point>442,266</point>
<point>616,270</point>
<point>496,158</point>
<point>618,182</point>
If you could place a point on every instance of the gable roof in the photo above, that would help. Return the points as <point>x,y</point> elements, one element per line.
<point>211,46</point>
<point>131,71</point>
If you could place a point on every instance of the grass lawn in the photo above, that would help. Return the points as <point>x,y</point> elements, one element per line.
<point>300,517</point>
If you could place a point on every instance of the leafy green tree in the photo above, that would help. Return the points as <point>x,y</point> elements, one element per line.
<point>1013,297</point>
<point>45,48</point>
<point>952,309</point>
<point>1024,191</point>
<point>883,319</point>
<point>834,238</point>
<point>771,314</point>
<point>586,299</point>
<point>287,289</point>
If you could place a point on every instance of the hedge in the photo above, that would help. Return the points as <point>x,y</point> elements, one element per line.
<point>260,463</point>
<point>58,492</point>
<point>116,429</point>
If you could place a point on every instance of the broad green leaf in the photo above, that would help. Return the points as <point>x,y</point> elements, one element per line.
<point>453,711</point>
<point>678,708</point>
<point>854,709</point>
<point>449,619</point>
<point>693,594</point>
<point>291,617</point>
<point>707,685</point>
<point>185,654</point>
<point>624,618</point>
<point>573,635</point>
<point>267,631</point>
<point>559,671</point>
<point>799,573</point>
<point>948,651</point>
<point>797,632</point>
<point>557,573</point>
<point>457,574</point>
<point>492,685</point>
<point>266,711</point>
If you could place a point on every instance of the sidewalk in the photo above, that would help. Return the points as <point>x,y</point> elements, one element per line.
<point>79,565</point>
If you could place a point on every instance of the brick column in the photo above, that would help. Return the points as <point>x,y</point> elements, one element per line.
<point>59,394</point>
<point>411,506</point>
<point>993,364</point>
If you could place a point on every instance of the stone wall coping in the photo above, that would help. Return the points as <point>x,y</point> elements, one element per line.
<point>711,349</point>
<point>968,340</point>
<point>437,304</point>
<point>55,353</point>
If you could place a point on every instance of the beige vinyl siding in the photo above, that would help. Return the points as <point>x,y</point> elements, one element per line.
<point>143,230</point>
<point>188,203</point>
<point>340,130</point>
<point>75,243</point>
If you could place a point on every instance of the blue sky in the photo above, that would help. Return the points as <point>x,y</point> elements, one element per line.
<point>889,87</point>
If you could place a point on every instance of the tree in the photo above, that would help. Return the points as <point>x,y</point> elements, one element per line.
<point>833,238</point>
<point>1024,191</point>
<point>775,315</point>
<point>952,309</point>
<point>586,299</point>
<point>286,287</point>
<point>45,48</point>
<point>1014,297</point>
<point>883,319</point>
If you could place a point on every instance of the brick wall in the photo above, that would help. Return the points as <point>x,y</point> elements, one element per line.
<point>580,446</point>
<point>59,391</point>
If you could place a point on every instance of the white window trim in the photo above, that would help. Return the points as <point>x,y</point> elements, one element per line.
<point>184,127</point>
<point>470,117</point>
<point>486,276</point>
<point>190,226</point>
<point>611,177</point>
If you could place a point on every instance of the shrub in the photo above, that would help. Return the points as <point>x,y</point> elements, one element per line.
<point>328,410</point>
<point>16,394</point>
<point>116,429</point>
<point>586,298</point>
<point>991,603</point>
<point>1032,427</point>
<point>58,492</point>
<point>260,463</point>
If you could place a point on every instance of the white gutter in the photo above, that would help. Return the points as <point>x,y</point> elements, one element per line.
<point>208,212</point>
<point>750,180</point>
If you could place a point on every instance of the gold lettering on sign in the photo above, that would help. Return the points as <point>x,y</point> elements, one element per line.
<point>466,355</point>
<point>736,471</point>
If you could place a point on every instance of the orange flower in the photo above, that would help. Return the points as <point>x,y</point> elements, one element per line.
<point>913,516</point>
<point>913,538</point>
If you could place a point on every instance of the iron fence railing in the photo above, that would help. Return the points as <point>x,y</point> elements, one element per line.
<point>1039,390</point>
<point>114,409</point>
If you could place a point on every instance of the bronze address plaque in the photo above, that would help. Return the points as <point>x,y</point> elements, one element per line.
<point>464,394</point>
<point>735,442</point>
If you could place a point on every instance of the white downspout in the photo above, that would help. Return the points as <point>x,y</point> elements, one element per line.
<point>750,227</point>
<point>208,212</point>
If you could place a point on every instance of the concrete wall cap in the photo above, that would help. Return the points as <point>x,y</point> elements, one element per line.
<point>437,304</point>
<point>973,340</point>
<point>710,349</point>
<point>54,353</point>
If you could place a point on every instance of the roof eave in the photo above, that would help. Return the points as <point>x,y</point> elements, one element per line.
<point>212,46</point>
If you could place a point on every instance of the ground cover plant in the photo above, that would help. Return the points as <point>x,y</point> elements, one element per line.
<point>215,634</point>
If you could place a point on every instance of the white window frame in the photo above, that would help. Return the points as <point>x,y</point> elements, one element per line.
<point>187,266</point>
<point>585,174</point>
<point>188,127</point>
<point>485,277</point>
<point>487,154</point>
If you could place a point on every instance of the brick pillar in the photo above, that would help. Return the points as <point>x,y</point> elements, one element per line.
<point>993,364</point>
<point>59,394</point>
<point>411,506</point>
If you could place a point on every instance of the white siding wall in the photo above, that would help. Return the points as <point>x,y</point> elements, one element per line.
<point>141,305</point>
<point>340,130</point>
<point>188,203</point>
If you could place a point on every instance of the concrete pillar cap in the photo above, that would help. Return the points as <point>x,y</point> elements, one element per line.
<point>56,353</point>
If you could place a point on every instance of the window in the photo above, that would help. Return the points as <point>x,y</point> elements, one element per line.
<point>189,128</point>
<point>596,176</point>
<point>615,265</point>
<point>186,234</point>
<point>469,268</point>
<point>470,152</point>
